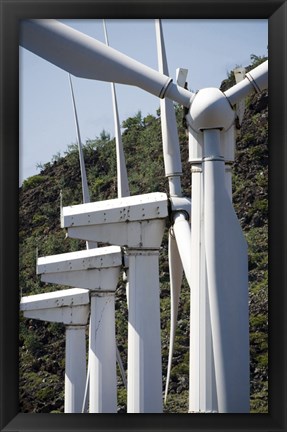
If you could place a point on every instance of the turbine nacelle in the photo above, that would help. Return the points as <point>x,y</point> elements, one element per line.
<point>136,221</point>
<point>94,269</point>
<point>210,109</point>
<point>70,307</point>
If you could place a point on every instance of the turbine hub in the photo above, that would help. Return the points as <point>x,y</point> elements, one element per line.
<point>210,109</point>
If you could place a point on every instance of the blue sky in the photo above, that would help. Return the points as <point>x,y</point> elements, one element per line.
<point>209,49</point>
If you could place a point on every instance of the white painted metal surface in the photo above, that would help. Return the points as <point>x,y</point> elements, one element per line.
<point>202,386</point>
<point>226,272</point>
<point>103,257</point>
<point>181,230</point>
<point>227,145</point>
<point>102,354</point>
<point>210,109</point>
<point>94,269</point>
<point>181,76</point>
<point>175,276</point>
<point>201,377</point>
<point>99,279</point>
<point>66,306</point>
<point>195,146</point>
<point>256,80</point>
<point>144,342</point>
<point>133,208</point>
<point>131,221</point>
<point>171,150</point>
<point>70,307</point>
<point>62,298</point>
<point>135,234</point>
<point>75,368</point>
<point>227,277</point>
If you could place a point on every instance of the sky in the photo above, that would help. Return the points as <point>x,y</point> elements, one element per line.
<point>209,49</point>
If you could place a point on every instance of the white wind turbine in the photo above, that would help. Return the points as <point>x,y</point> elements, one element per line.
<point>71,308</point>
<point>96,270</point>
<point>203,393</point>
<point>137,225</point>
<point>86,199</point>
<point>65,269</point>
<point>210,116</point>
<point>219,251</point>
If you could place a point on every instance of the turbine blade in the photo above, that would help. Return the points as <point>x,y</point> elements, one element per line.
<point>171,153</point>
<point>256,81</point>
<point>179,255</point>
<point>86,57</point>
<point>171,149</point>
<point>85,188</point>
<point>182,234</point>
<point>86,394</point>
<point>176,273</point>
<point>179,260</point>
<point>122,176</point>
<point>121,366</point>
<point>227,279</point>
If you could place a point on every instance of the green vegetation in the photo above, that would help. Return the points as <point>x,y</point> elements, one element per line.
<point>34,181</point>
<point>42,345</point>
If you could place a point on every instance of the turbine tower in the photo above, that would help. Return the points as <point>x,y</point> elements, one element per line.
<point>71,308</point>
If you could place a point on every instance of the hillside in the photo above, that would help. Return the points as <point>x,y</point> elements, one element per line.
<point>42,345</point>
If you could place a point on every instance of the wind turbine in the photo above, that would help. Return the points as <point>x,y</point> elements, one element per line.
<point>219,248</point>
<point>96,270</point>
<point>136,224</point>
<point>210,115</point>
<point>70,307</point>
<point>86,199</point>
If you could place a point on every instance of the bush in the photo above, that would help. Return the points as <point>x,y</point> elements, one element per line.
<point>34,181</point>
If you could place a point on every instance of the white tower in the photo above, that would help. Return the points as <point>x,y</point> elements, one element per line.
<point>70,307</point>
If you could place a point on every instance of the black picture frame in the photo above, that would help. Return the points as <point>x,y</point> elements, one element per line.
<point>11,13</point>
